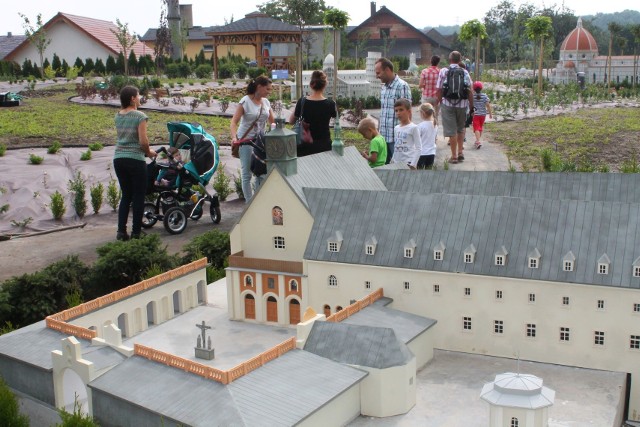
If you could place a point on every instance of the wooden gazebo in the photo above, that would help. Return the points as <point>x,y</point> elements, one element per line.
<point>258,29</point>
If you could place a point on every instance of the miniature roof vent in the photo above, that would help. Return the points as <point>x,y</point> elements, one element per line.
<point>636,267</point>
<point>335,242</point>
<point>501,256</point>
<point>603,264</point>
<point>409,248</point>
<point>534,258</point>
<point>568,261</point>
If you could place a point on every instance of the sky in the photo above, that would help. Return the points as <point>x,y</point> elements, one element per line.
<point>144,14</point>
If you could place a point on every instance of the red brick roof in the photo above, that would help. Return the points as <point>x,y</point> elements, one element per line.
<point>96,29</point>
<point>579,39</point>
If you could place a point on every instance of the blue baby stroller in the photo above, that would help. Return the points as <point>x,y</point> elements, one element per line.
<point>183,198</point>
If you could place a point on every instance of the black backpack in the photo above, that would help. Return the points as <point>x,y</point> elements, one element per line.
<point>454,87</point>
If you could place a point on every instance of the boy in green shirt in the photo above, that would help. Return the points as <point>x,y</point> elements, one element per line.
<point>377,154</point>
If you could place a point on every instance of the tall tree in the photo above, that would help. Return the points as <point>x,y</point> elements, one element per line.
<point>635,30</point>
<point>37,36</point>
<point>361,44</point>
<point>336,19</point>
<point>470,30</point>
<point>162,46</point>
<point>538,28</point>
<point>126,41</point>
<point>614,28</point>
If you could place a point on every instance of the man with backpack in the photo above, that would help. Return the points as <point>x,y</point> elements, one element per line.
<point>455,96</point>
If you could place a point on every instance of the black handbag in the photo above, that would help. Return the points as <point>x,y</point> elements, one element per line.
<point>259,156</point>
<point>302,128</point>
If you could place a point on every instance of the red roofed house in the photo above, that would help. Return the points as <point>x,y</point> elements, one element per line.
<point>76,37</point>
<point>579,54</point>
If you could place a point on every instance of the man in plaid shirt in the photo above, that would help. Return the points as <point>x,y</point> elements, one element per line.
<point>393,88</point>
<point>428,80</point>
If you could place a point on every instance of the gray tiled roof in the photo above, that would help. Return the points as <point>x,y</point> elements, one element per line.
<point>329,170</point>
<point>256,22</point>
<point>282,392</point>
<point>370,346</point>
<point>8,43</point>
<point>610,187</point>
<point>288,389</point>
<point>406,326</point>
<point>195,33</point>
<point>554,227</point>
<point>33,344</point>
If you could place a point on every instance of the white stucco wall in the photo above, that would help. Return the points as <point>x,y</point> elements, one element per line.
<point>422,347</point>
<point>338,412</point>
<point>390,391</point>
<point>68,43</point>
<point>617,320</point>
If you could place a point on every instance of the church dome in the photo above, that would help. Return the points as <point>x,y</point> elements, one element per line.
<point>579,39</point>
<point>569,64</point>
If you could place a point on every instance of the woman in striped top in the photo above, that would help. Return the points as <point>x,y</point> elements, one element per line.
<point>129,161</point>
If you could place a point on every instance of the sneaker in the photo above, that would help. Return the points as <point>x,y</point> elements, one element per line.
<point>122,236</point>
<point>478,144</point>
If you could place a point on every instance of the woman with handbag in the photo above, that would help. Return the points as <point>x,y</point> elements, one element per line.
<point>316,110</point>
<point>248,127</point>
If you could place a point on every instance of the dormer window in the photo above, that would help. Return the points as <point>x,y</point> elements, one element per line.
<point>534,258</point>
<point>409,248</point>
<point>568,261</point>
<point>636,267</point>
<point>603,264</point>
<point>470,254</point>
<point>438,252</point>
<point>334,242</point>
<point>370,246</point>
<point>501,256</point>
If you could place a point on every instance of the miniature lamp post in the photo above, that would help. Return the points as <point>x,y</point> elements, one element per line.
<point>337,146</point>
<point>281,147</point>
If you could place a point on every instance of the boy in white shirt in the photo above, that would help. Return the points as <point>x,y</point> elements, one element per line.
<point>406,136</point>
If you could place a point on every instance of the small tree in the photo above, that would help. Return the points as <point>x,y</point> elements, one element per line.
<point>539,27</point>
<point>9,409</point>
<point>125,39</point>
<point>470,30</point>
<point>337,19</point>
<point>78,186</point>
<point>97,196</point>
<point>614,30</point>
<point>37,36</point>
<point>635,31</point>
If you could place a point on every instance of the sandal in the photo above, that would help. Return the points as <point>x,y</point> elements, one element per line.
<point>460,158</point>
<point>452,160</point>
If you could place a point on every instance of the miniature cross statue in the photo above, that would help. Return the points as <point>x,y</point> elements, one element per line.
<point>203,329</point>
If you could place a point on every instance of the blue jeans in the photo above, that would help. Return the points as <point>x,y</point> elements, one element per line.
<point>245,171</point>
<point>132,176</point>
<point>391,146</point>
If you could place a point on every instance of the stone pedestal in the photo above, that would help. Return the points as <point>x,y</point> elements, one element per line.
<point>203,353</point>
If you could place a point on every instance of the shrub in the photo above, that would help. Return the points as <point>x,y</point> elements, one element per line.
<point>255,72</point>
<point>213,244</point>
<point>97,196</point>
<point>96,146</point>
<point>113,194</point>
<point>86,155</point>
<point>241,71</point>
<point>77,418</point>
<point>9,410</point>
<point>78,186</point>
<point>116,268</point>
<point>155,83</point>
<point>54,148</point>
<point>4,208</point>
<point>3,149</point>
<point>221,183</point>
<point>203,71</point>
<point>72,73</point>
<point>58,207</point>
<point>35,160</point>
<point>237,182</point>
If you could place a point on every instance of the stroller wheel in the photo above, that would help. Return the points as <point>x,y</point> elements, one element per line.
<point>175,220</point>
<point>149,217</point>
<point>197,213</point>
<point>215,214</point>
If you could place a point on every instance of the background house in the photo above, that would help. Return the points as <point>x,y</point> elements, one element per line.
<point>393,36</point>
<point>74,37</point>
<point>9,43</point>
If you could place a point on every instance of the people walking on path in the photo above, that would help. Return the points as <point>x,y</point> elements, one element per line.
<point>455,96</point>
<point>406,135</point>
<point>428,81</point>
<point>428,133</point>
<point>393,88</point>
<point>482,108</point>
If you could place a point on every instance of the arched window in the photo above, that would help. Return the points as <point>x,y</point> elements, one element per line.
<point>293,285</point>
<point>248,280</point>
<point>514,422</point>
<point>333,282</point>
<point>277,216</point>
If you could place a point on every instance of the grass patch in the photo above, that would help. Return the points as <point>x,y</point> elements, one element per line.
<point>599,137</point>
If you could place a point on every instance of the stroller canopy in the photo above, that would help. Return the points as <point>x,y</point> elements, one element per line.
<point>202,146</point>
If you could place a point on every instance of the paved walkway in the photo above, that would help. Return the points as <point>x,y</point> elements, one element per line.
<point>490,157</point>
